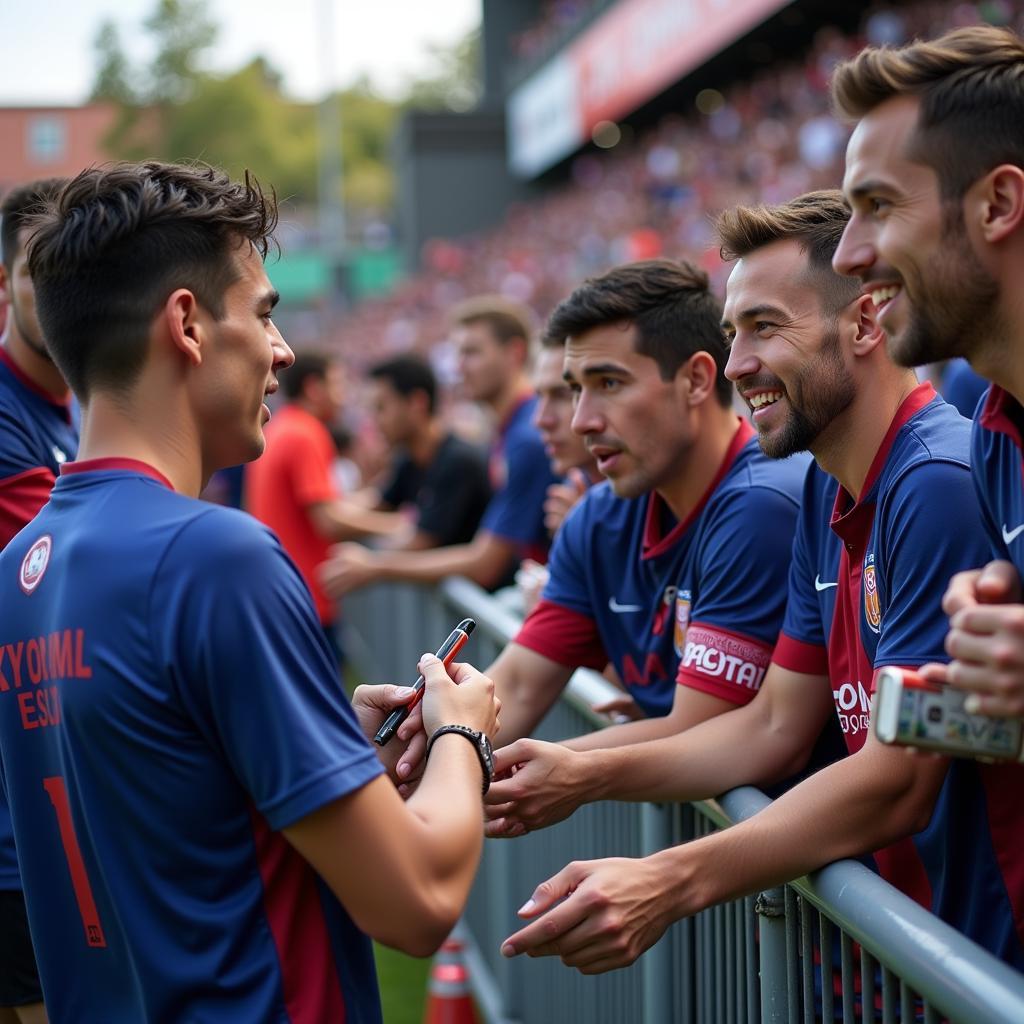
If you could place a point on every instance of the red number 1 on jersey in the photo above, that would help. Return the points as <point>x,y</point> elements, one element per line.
<point>58,793</point>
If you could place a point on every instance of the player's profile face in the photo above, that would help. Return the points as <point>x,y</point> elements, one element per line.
<point>241,359</point>
<point>22,298</point>
<point>390,412</point>
<point>553,417</point>
<point>633,422</point>
<point>909,246</point>
<point>483,362</point>
<point>785,350</point>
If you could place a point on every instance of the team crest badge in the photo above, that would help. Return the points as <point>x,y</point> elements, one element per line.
<point>682,621</point>
<point>872,608</point>
<point>34,564</point>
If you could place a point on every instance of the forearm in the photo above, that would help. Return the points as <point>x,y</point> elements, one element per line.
<point>738,748</point>
<point>434,565</point>
<point>447,811</point>
<point>642,731</point>
<point>347,520</point>
<point>845,810</point>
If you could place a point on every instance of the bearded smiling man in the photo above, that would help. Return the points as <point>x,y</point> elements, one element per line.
<point>937,238</point>
<point>869,564</point>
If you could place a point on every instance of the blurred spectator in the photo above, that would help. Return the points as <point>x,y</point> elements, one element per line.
<point>292,486</point>
<point>437,475</point>
<point>492,339</point>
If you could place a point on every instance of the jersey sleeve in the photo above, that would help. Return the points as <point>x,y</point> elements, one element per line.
<point>516,511</point>
<point>235,627</point>
<point>737,612</point>
<point>920,552</point>
<point>802,645</point>
<point>25,485</point>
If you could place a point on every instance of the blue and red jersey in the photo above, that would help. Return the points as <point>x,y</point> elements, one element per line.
<point>520,476</point>
<point>699,601</point>
<point>865,591</point>
<point>996,453</point>
<point>37,434</point>
<point>168,705</point>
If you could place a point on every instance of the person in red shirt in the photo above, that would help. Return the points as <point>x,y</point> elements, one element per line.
<point>290,487</point>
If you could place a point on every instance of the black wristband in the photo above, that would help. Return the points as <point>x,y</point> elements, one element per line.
<point>481,744</point>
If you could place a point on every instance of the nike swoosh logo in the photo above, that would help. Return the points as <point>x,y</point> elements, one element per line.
<point>1010,535</point>
<point>819,586</point>
<point>620,608</point>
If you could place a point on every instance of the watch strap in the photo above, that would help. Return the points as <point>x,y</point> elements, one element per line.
<point>474,737</point>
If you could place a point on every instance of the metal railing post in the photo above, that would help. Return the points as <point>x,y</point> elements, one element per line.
<point>770,907</point>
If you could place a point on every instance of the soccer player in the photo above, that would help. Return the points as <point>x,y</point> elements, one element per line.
<point>38,432</point>
<point>567,451</point>
<point>872,552</point>
<point>441,476</point>
<point>492,338</point>
<point>674,569</point>
<point>937,236</point>
<point>203,830</point>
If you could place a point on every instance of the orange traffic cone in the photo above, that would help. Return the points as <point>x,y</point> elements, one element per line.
<point>448,999</point>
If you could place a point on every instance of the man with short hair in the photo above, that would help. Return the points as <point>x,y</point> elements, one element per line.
<point>203,829</point>
<point>872,552</point>
<point>935,177</point>
<point>492,339</point>
<point>663,570</point>
<point>441,476</point>
<point>566,450</point>
<point>38,433</point>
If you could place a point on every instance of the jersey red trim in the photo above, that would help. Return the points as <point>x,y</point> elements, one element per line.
<point>309,976</point>
<point>912,404</point>
<point>61,403</point>
<point>21,497</point>
<point>563,635</point>
<point>723,663</point>
<point>653,544</point>
<point>798,656</point>
<point>128,465</point>
<point>995,415</point>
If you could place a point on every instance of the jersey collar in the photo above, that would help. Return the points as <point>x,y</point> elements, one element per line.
<point>654,544</point>
<point>847,514</point>
<point>117,464</point>
<point>63,405</point>
<point>997,414</point>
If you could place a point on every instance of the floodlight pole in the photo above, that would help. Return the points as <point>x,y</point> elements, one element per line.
<point>331,218</point>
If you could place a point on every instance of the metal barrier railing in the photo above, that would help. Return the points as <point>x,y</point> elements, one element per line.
<point>756,959</point>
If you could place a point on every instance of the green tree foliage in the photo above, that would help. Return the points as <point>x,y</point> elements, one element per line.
<point>113,73</point>
<point>182,31</point>
<point>454,82</point>
<point>173,109</point>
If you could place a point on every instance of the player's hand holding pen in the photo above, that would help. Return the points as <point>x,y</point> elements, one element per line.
<point>459,695</point>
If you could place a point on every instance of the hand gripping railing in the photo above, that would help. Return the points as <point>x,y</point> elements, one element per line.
<point>756,959</point>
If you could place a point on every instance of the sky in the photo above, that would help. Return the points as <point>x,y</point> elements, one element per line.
<point>48,56</point>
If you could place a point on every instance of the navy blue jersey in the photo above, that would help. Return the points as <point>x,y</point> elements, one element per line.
<point>167,705</point>
<point>996,465</point>
<point>520,477</point>
<point>699,601</point>
<point>865,591</point>
<point>37,434</point>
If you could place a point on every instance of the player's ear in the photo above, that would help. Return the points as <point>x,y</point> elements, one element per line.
<point>996,203</point>
<point>860,318</point>
<point>700,374</point>
<point>5,294</point>
<point>182,320</point>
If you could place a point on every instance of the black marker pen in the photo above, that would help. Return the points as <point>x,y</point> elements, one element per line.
<point>446,653</point>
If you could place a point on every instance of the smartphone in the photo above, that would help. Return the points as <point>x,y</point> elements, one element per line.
<point>912,711</point>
